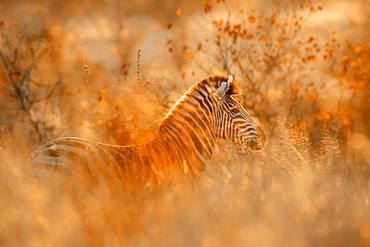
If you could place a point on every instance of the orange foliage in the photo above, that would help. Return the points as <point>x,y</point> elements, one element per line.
<point>308,86</point>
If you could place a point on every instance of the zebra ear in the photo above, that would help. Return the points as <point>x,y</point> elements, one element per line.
<point>221,91</point>
<point>230,79</point>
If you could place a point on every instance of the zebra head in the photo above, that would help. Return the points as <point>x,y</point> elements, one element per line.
<point>233,121</point>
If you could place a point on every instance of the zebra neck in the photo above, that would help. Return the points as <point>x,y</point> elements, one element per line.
<point>189,127</point>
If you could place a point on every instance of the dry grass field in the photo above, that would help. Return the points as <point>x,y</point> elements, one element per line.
<point>110,70</point>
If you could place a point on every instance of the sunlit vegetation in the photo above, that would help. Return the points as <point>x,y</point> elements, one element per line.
<point>109,71</point>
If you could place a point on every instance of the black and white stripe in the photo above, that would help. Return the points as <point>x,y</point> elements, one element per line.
<point>185,141</point>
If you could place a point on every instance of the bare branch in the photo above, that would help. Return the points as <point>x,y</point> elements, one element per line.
<point>49,94</point>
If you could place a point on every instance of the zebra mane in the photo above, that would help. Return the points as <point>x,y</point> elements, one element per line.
<point>214,81</point>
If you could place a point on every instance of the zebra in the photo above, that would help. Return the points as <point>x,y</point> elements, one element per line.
<point>184,144</point>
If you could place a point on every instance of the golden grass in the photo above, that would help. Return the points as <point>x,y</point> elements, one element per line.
<point>308,87</point>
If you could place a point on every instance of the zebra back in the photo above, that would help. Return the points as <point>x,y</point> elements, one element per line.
<point>86,160</point>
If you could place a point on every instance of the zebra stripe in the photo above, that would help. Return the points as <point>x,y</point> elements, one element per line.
<point>185,141</point>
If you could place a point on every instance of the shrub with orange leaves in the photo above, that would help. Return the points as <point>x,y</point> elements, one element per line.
<point>353,73</point>
<point>309,89</point>
<point>275,50</point>
<point>263,50</point>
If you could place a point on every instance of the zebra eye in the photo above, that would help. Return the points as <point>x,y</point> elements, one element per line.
<point>235,110</point>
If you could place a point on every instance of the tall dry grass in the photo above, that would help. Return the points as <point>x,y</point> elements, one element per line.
<point>121,65</point>
<point>274,198</point>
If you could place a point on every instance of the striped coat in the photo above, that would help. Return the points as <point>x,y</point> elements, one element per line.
<point>184,144</point>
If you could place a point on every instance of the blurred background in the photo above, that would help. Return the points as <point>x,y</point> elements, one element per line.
<point>108,70</point>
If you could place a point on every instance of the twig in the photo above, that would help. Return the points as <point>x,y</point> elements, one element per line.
<point>86,71</point>
<point>49,94</point>
<point>138,69</point>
